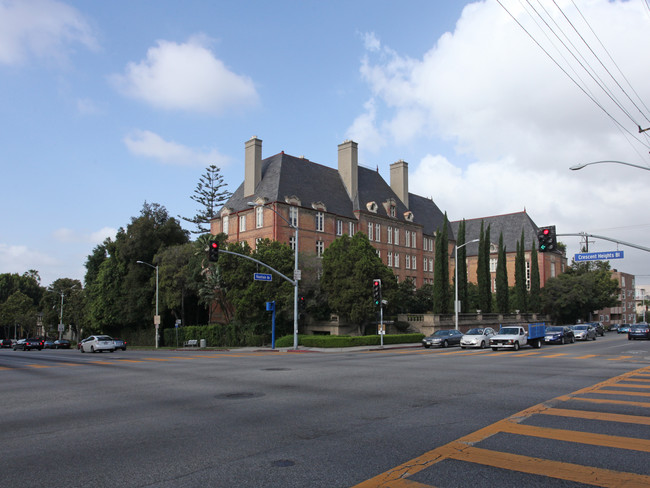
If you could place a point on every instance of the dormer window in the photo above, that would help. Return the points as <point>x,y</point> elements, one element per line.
<point>408,216</point>
<point>372,207</point>
<point>393,210</point>
<point>292,200</point>
<point>319,206</point>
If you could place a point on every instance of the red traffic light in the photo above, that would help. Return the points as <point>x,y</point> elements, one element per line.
<point>215,245</point>
<point>546,232</point>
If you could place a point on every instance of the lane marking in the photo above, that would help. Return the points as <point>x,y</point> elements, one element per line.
<point>602,416</point>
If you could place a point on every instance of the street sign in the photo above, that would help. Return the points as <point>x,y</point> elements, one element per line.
<point>297,275</point>
<point>598,256</point>
<point>61,328</point>
<point>262,277</point>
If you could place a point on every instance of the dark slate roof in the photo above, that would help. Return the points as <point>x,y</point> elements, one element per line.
<point>510,224</point>
<point>287,176</point>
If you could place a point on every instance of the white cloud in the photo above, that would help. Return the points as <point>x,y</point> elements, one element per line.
<point>505,106</point>
<point>70,236</point>
<point>43,28</point>
<point>186,77</point>
<point>148,144</point>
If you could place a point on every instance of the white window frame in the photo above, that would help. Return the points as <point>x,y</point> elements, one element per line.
<point>259,217</point>
<point>493,265</point>
<point>377,233</point>
<point>396,236</point>
<point>407,261</point>
<point>320,222</point>
<point>397,260</point>
<point>292,243</point>
<point>242,223</point>
<point>351,229</point>
<point>389,235</point>
<point>414,237</point>
<point>414,262</point>
<point>224,224</point>
<point>371,231</point>
<point>320,248</point>
<point>339,227</point>
<point>425,267</point>
<point>407,238</point>
<point>293,216</point>
<point>390,259</point>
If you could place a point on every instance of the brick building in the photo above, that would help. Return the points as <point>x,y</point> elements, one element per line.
<point>625,312</point>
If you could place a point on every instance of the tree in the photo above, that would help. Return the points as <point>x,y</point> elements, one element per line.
<point>28,283</point>
<point>349,266</point>
<point>18,311</point>
<point>483,276</point>
<point>441,293</point>
<point>503,305</point>
<point>535,300</point>
<point>74,305</point>
<point>463,291</point>
<point>521,298</point>
<point>573,295</point>
<point>210,195</point>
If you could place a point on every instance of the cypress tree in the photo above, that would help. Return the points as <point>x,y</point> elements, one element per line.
<point>502,279</point>
<point>486,264</point>
<point>481,278</point>
<point>441,293</point>
<point>463,293</point>
<point>520,276</point>
<point>535,303</point>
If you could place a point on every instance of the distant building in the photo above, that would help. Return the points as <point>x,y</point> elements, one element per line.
<point>625,312</point>
<point>642,298</point>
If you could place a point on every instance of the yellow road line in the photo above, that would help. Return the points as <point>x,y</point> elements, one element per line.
<point>38,366</point>
<point>625,393</point>
<point>610,402</point>
<point>588,356</point>
<point>602,416</point>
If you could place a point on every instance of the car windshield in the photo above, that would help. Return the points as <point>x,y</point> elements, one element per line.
<point>441,333</point>
<point>580,327</point>
<point>104,338</point>
<point>554,329</point>
<point>509,331</point>
<point>475,332</point>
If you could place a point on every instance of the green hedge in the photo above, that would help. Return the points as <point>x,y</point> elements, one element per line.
<point>347,341</point>
<point>215,336</point>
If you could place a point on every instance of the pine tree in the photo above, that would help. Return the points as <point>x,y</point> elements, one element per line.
<point>210,195</point>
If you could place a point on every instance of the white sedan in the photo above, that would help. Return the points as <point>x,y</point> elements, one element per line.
<point>98,343</point>
<point>479,337</point>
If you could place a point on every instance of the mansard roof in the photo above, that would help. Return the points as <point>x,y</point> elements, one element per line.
<point>285,177</point>
<point>510,224</point>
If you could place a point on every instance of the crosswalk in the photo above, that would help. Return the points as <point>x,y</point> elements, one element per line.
<point>598,409</point>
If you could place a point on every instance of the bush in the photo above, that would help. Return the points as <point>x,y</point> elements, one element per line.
<point>230,335</point>
<point>347,341</point>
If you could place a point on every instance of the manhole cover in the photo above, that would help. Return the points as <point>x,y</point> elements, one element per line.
<point>283,463</point>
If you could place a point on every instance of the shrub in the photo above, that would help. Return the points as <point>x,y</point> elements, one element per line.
<point>347,341</point>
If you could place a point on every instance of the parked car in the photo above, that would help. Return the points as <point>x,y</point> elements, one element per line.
<point>119,344</point>
<point>443,338</point>
<point>478,337</point>
<point>623,329</point>
<point>598,326</point>
<point>62,344</point>
<point>584,332</point>
<point>29,344</point>
<point>48,344</point>
<point>6,343</point>
<point>560,334</point>
<point>639,331</point>
<point>98,343</point>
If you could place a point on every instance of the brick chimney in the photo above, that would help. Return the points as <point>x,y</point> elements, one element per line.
<point>399,180</point>
<point>349,167</point>
<point>252,165</point>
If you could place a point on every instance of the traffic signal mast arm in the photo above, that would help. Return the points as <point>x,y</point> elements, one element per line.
<point>293,282</point>
<point>583,234</point>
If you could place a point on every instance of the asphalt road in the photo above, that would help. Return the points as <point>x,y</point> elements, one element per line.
<point>408,417</point>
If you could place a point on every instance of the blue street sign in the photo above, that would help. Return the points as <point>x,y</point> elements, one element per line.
<point>262,277</point>
<point>598,256</point>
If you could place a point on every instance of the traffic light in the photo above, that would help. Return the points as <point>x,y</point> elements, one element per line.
<point>376,291</point>
<point>547,239</point>
<point>301,303</point>
<point>213,251</point>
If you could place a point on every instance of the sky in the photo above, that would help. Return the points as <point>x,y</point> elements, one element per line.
<point>108,105</point>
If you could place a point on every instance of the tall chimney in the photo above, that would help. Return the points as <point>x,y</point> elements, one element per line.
<point>399,180</point>
<point>252,165</point>
<point>349,167</point>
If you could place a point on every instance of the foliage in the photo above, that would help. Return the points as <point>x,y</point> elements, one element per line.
<point>349,266</point>
<point>28,283</point>
<point>74,306</point>
<point>463,290</point>
<point>483,276</point>
<point>210,195</point>
<point>574,295</point>
<point>535,298</point>
<point>503,305</point>
<point>348,341</point>
<point>441,292</point>
<point>521,294</point>
<point>18,311</point>
<point>229,335</point>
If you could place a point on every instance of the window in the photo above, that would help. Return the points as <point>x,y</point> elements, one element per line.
<point>389,235</point>
<point>257,241</point>
<point>320,221</point>
<point>407,238</point>
<point>397,260</point>
<point>351,229</point>
<point>414,264</point>
<point>293,216</point>
<point>378,253</point>
<point>431,264</point>
<point>424,265</point>
<point>224,224</point>
<point>371,231</point>
<point>339,227</point>
<point>396,236</point>
<point>390,259</point>
<point>413,240</point>
<point>242,223</point>
<point>292,243</point>
<point>320,247</point>
<point>259,217</point>
<point>493,265</point>
<point>407,261</point>
<point>552,270</point>
<point>393,211</point>
<point>377,232</point>
<point>528,275</point>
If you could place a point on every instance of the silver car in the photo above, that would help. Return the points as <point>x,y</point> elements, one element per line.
<point>584,332</point>
<point>479,337</point>
<point>98,343</point>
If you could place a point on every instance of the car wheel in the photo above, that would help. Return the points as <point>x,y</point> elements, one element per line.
<point>563,341</point>
<point>573,339</point>
<point>516,346</point>
<point>92,349</point>
<point>462,347</point>
<point>482,344</point>
<point>495,348</point>
<point>629,338</point>
<point>427,346</point>
<point>82,350</point>
<point>445,344</point>
<point>594,337</point>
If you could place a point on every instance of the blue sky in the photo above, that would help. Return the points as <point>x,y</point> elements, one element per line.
<point>106,105</point>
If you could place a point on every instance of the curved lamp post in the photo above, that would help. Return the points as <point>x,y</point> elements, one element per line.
<point>456,248</point>
<point>580,166</point>
<point>156,319</point>
<point>295,270</point>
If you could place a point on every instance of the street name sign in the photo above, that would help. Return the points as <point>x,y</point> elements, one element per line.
<point>262,277</point>
<point>598,256</point>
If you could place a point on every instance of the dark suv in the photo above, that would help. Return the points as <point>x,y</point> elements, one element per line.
<point>639,331</point>
<point>31,343</point>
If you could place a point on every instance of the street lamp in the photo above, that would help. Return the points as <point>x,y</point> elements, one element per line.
<point>156,319</point>
<point>456,248</point>
<point>580,166</point>
<point>295,270</point>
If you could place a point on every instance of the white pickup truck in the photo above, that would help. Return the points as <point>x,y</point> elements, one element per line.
<point>516,336</point>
